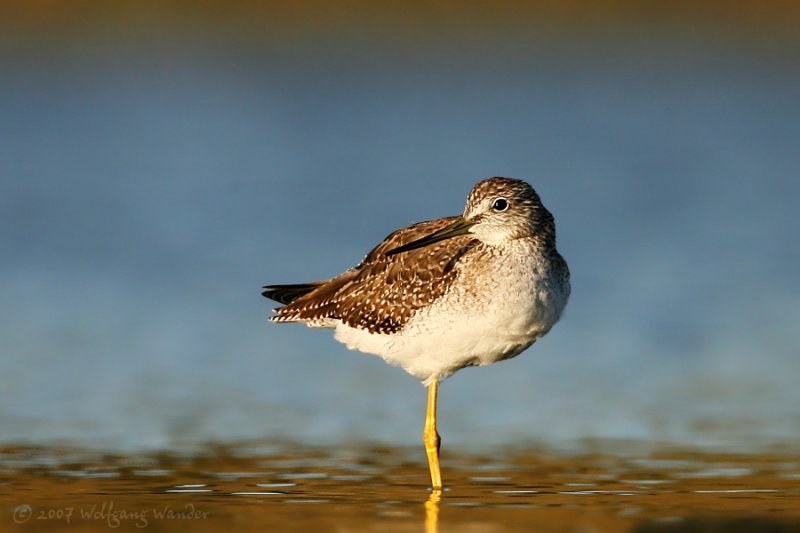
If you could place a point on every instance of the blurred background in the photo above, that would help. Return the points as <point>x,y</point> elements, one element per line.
<point>161,161</point>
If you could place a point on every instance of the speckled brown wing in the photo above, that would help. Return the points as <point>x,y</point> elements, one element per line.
<point>384,291</point>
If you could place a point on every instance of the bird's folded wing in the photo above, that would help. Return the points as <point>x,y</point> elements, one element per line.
<point>384,291</point>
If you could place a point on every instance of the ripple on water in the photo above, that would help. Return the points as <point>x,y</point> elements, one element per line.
<point>618,492</point>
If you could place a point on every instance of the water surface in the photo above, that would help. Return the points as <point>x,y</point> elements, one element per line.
<point>277,487</point>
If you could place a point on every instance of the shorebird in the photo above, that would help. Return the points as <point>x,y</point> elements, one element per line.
<point>445,294</point>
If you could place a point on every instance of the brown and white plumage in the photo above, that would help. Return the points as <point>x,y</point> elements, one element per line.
<point>492,266</point>
<point>383,291</point>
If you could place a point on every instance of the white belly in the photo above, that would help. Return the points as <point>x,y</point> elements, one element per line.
<point>467,327</point>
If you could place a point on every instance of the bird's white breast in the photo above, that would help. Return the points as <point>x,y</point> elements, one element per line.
<point>497,307</point>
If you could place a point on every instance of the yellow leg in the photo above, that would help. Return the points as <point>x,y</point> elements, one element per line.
<point>431,438</point>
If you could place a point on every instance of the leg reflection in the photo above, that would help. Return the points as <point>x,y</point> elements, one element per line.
<point>432,512</point>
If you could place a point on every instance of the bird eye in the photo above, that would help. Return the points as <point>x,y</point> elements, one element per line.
<point>501,204</point>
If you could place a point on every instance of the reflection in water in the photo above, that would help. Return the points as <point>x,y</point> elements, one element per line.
<point>284,489</point>
<point>432,511</point>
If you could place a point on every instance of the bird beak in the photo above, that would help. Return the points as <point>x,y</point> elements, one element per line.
<point>459,227</point>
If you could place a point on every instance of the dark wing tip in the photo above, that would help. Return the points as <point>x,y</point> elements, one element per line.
<point>286,294</point>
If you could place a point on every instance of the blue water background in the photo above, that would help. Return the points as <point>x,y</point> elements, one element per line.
<point>148,188</point>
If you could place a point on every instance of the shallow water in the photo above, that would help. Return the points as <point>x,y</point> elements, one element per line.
<point>281,487</point>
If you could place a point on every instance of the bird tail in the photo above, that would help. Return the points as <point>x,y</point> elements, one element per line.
<point>286,294</point>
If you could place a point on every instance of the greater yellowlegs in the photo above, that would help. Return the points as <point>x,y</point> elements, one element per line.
<point>445,294</point>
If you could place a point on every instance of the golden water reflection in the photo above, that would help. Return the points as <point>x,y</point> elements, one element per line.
<point>285,488</point>
<point>432,511</point>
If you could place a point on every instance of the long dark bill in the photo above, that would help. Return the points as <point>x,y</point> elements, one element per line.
<point>459,227</point>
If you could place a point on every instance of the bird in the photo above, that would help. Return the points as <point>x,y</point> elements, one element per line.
<point>445,294</point>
